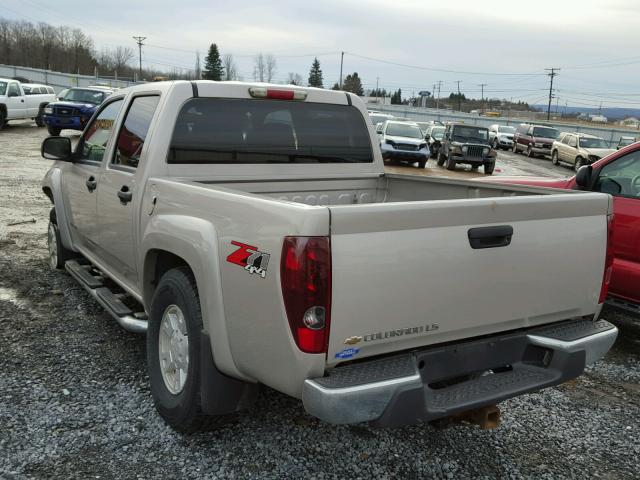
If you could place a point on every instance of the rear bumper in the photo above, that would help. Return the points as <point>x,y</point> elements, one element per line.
<point>541,150</point>
<point>441,381</point>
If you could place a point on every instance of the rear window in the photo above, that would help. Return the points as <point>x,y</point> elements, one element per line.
<point>216,130</point>
<point>545,132</point>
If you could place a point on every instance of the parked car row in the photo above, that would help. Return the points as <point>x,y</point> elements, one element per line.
<point>75,108</point>
<point>17,104</point>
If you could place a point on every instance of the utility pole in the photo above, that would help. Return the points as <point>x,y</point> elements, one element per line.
<point>482,85</point>
<point>552,74</point>
<point>341,62</point>
<point>139,41</point>
<point>438,98</point>
<point>459,98</point>
<point>377,78</point>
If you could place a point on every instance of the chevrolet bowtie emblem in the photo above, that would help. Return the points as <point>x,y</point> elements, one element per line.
<point>352,340</point>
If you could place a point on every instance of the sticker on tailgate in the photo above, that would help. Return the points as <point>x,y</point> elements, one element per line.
<point>249,258</point>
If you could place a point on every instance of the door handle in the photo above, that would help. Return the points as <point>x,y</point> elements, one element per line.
<point>22,100</point>
<point>125,195</point>
<point>490,237</point>
<point>91,183</point>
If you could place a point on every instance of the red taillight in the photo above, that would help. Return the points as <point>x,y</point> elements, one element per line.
<point>280,94</point>
<point>305,276</point>
<point>608,264</point>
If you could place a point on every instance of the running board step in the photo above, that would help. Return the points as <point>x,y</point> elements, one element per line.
<point>83,274</point>
<point>115,304</point>
<point>126,318</point>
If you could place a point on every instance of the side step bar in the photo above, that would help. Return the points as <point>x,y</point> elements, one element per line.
<point>112,303</point>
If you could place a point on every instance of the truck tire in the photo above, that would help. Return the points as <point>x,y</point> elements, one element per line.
<point>173,351</point>
<point>55,131</point>
<point>40,118</point>
<point>579,163</point>
<point>3,119</point>
<point>441,158</point>
<point>422,163</point>
<point>488,168</point>
<point>451,163</point>
<point>58,254</point>
<point>554,158</point>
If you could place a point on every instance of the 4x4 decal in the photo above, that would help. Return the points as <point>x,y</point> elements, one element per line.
<point>249,258</point>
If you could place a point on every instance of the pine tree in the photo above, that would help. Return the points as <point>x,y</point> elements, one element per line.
<point>213,64</point>
<point>353,84</point>
<point>315,74</point>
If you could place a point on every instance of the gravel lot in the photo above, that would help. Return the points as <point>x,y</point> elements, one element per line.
<point>75,400</point>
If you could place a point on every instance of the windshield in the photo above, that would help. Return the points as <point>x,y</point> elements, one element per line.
<point>437,133</point>
<point>545,132</point>
<point>586,142</point>
<point>404,130</point>
<point>376,119</point>
<point>217,130</point>
<point>3,88</point>
<point>507,130</point>
<point>470,133</point>
<point>84,96</point>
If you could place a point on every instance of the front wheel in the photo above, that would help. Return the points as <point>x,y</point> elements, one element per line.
<point>515,147</point>
<point>529,152</point>
<point>579,163</point>
<point>451,163</point>
<point>488,168</point>
<point>58,254</point>
<point>554,158</point>
<point>40,118</point>
<point>55,131</point>
<point>441,159</point>
<point>173,351</point>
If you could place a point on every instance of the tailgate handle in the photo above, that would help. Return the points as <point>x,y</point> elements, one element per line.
<point>490,237</point>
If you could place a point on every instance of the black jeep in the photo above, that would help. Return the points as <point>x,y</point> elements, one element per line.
<point>467,144</point>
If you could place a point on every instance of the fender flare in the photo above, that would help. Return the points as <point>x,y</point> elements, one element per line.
<point>196,242</point>
<point>53,182</point>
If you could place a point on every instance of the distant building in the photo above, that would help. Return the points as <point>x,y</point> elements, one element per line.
<point>630,122</point>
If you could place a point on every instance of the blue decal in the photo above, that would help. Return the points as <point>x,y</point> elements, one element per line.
<point>347,353</point>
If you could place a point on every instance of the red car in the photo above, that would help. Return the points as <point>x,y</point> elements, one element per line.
<point>617,174</point>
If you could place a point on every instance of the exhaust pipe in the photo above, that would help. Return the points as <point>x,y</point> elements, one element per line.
<point>487,418</point>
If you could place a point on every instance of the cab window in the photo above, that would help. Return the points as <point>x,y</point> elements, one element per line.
<point>621,177</point>
<point>134,131</point>
<point>94,143</point>
<point>14,91</point>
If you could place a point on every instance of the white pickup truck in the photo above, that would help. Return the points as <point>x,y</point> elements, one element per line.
<point>15,105</point>
<point>252,232</point>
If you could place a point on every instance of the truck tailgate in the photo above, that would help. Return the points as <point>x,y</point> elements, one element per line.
<point>405,274</point>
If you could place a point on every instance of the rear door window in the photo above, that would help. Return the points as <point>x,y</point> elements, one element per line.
<point>232,131</point>
<point>134,131</point>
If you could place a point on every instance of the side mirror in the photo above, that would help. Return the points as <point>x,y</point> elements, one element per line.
<point>583,177</point>
<point>379,129</point>
<point>57,148</point>
<point>427,136</point>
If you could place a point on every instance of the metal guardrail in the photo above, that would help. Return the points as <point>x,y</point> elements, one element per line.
<point>419,114</point>
<point>58,80</point>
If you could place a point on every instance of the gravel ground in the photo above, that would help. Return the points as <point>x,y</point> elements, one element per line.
<point>75,399</point>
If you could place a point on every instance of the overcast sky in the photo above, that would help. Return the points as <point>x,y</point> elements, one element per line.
<point>594,42</point>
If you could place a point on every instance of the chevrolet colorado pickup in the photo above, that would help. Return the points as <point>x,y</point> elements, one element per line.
<point>16,105</point>
<point>617,174</point>
<point>251,231</point>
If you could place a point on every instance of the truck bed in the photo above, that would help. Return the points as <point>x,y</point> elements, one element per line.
<point>405,274</point>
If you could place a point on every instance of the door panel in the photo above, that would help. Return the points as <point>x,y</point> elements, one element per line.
<point>82,177</point>
<point>119,194</point>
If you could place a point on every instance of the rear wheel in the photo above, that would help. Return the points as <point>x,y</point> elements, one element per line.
<point>40,118</point>
<point>55,131</point>
<point>441,159</point>
<point>3,119</point>
<point>579,163</point>
<point>173,351</point>
<point>554,158</point>
<point>451,163</point>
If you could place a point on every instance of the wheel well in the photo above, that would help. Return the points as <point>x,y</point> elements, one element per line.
<point>47,191</point>
<point>156,264</point>
<point>44,104</point>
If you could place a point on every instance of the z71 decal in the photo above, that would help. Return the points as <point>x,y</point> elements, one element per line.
<point>249,258</point>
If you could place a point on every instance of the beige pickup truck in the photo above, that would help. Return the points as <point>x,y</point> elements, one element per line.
<point>251,231</point>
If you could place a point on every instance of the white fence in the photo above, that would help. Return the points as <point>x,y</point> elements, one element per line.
<point>611,135</point>
<point>60,81</point>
